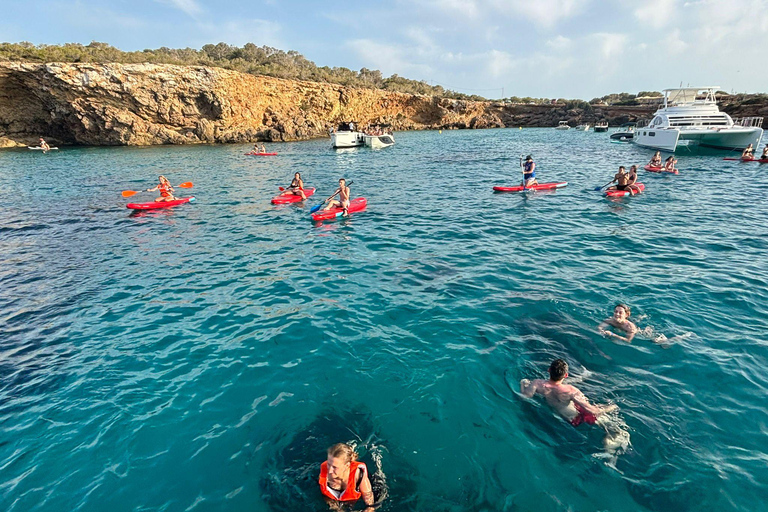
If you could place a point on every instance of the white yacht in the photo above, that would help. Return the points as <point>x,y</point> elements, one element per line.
<point>563,126</point>
<point>379,141</point>
<point>582,128</point>
<point>690,117</point>
<point>346,137</point>
<point>602,126</point>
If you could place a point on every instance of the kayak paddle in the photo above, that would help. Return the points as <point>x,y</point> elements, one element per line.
<point>522,169</point>
<point>317,207</point>
<point>598,189</point>
<point>129,193</point>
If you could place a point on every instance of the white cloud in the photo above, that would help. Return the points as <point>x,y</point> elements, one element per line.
<point>559,43</point>
<point>545,13</point>
<point>656,13</point>
<point>674,44</point>
<point>499,63</point>
<point>189,7</point>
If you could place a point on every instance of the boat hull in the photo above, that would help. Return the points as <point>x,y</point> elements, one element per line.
<point>379,141</point>
<point>347,139</point>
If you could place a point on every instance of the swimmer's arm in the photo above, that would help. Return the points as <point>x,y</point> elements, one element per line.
<point>528,388</point>
<point>365,489</point>
<point>579,398</point>
<point>605,332</point>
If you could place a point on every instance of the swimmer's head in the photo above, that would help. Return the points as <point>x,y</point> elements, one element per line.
<point>558,370</point>
<point>339,457</point>
<point>621,168</point>
<point>621,312</point>
<point>297,175</point>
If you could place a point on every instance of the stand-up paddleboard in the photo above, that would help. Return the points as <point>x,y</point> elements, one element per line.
<point>38,148</point>
<point>540,186</point>
<point>621,193</point>
<point>355,205</point>
<point>748,159</point>
<point>261,154</point>
<point>651,168</point>
<point>290,197</point>
<point>159,204</point>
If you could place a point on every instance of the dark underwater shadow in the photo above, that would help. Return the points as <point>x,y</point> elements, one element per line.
<point>290,481</point>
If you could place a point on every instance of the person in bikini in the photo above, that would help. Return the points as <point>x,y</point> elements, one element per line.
<point>749,152</point>
<point>529,172</point>
<point>669,164</point>
<point>262,149</point>
<point>44,145</point>
<point>656,160</point>
<point>343,478</point>
<point>619,320</point>
<point>565,399</point>
<point>632,180</point>
<point>165,188</point>
<point>343,201</point>
<point>297,187</point>
<point>764,156</point>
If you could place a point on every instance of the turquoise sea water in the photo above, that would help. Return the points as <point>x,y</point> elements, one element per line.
<point>203,357</point>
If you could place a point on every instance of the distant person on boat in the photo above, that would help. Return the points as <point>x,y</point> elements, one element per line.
<point>656,160</point>
<point>343,201</point>
<point>669,164</point>
<point>343,478</point>
<point>621,179</point>
<point>748,152</point>
<point>297,187</point>
<point>351,127</point>
<point>165,188</point>
<point>529,172</point>
<point>565,399</point>
<point>44,145</point>
<point>619,320</point>
<point>764,156</point>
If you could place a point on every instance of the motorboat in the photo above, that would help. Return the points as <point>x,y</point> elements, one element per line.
<point>346,137</point>
<point>563,126</point>
<point>582,128</point>
<point>601,126</point>
<point>690,117</point>
<point>379,141</point>
<point>625,133</point>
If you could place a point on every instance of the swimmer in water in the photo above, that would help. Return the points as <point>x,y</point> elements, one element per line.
<point>619,320</point>
<point>343,478</point>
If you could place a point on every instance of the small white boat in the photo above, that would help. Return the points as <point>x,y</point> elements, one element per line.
<point>582,128</point>
<point>563,126</point>
<point>601,127</point>
<point>345,136</point>
<point>38,148</point>
<point>690,117</point>
<point>379,141</point>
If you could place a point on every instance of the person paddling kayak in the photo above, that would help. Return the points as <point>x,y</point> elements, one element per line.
<point>764,156</point>
<point>297,187</point>
<point>656,160</point>
<point>165,188</point>
<point>669,164</point>
<point>748,152</point>
<point>41,143</point>
<point>343,202</point>
<point>529,172</point>
<point>621,179</point>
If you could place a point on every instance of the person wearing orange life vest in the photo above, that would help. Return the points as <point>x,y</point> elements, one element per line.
<point>343,478</point>
<point>165,189</point>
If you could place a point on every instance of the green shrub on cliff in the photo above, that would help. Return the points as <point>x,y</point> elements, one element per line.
<point>256,60</point>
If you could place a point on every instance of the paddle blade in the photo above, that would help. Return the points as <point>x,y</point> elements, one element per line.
<point>281,189</point>
<point>187,184</point>
<point>315,208</point>
<point>598,189</point>
<point>129,193</point>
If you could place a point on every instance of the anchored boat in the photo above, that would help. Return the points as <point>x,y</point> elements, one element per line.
<point>690,117</point>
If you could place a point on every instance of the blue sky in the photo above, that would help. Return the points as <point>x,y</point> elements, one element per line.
<point>542,48</point>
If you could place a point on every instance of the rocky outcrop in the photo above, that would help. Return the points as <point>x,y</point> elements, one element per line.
<point>142,104</point>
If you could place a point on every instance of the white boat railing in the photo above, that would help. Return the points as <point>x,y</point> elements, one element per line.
<point>749,122</point>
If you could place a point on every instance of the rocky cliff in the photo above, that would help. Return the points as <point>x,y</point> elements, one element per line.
<point>142,104</point>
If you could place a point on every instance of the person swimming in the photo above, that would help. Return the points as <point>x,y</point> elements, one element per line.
<point>343,478</point>
<point>619,320</point>
<point>656,160</point>
<point>529,172</point>
<point>343,201</point>
<point>165,188</point>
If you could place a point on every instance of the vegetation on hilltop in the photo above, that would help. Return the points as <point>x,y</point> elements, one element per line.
<point>256,60</point>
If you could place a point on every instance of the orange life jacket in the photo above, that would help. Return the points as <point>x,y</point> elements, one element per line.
<point>165,190</point>
<point>351,493</point>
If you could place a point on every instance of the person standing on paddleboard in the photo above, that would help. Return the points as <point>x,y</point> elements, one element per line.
<point>748,152</point>
<point>343,201</point>
<point>529,172</point>
<point>166,190</point>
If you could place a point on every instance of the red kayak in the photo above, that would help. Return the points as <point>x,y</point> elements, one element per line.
<point>749,159</point>
<point>355,205</point>
<point>290,197</point>
<point>159,204</point>
<point>621,193</point>
<point>261,154</point>
<point>540,186</point>
<point>651,168</point>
